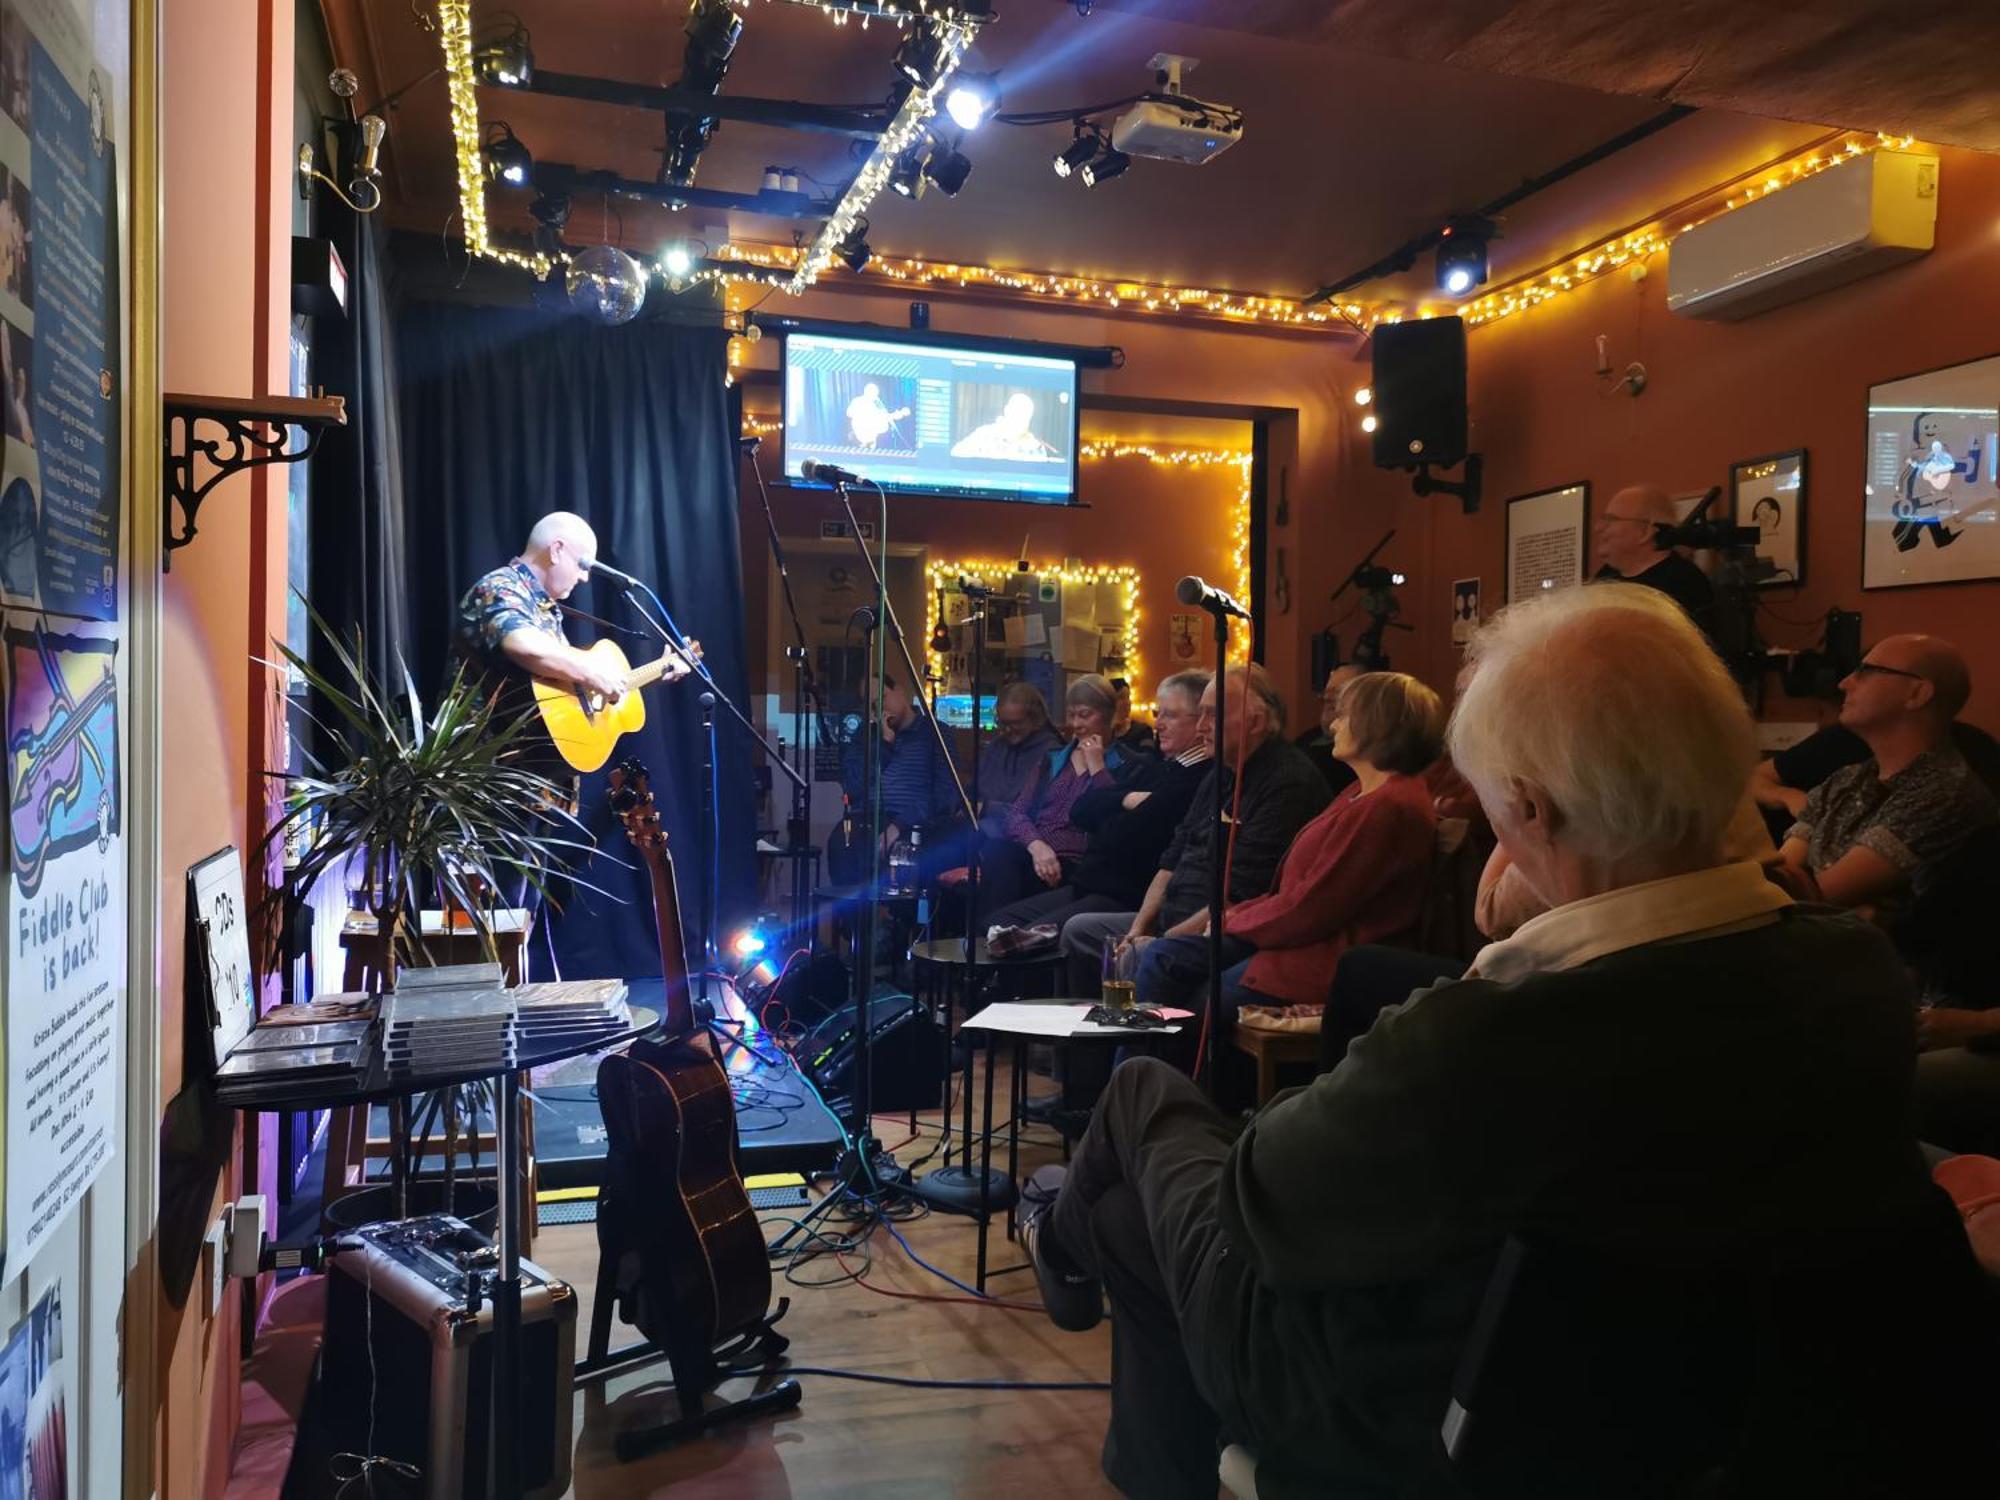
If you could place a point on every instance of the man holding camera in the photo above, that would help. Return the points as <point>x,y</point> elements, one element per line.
<point>1626,548</point>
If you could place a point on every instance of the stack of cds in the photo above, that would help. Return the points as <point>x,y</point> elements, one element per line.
<point>456,1019</point>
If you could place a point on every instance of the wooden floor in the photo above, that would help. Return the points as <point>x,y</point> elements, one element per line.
<point>849,1438</point>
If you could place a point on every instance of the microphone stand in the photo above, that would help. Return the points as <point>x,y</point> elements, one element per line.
<point>1212,1022</point>
<point>710,838</point>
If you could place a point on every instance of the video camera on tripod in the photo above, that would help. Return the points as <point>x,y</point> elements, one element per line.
<point>1377,586</point>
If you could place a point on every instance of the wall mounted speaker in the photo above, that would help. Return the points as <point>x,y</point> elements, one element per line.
<point>1419,381</point>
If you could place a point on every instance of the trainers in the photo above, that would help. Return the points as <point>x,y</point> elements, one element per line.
<point>1075,1302</point>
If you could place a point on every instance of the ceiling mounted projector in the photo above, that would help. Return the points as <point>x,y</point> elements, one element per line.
<point>1171,126</point>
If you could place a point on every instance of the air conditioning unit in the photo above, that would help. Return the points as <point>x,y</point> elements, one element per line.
<point>1863,216</point>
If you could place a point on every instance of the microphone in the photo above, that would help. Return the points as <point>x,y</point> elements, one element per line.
<point>815,472</point>
<point>615,575</point>
<point>1193,590</point>
<point>750,442</point>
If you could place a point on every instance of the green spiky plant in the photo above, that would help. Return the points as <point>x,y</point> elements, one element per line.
<point>408,799</point>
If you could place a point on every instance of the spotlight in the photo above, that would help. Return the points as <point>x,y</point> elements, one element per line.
<point>714,27</point>
<point>551,214</point>
<point>1363,396</point>
<point>746,944</point>
<point>677,260</point>
<point>907,175</point>
<point>1461,255</point>
<point>947,170</point>
<point>852,248</point>
<point>1368,423</point>
<point>922,58</point>
<point>1076,153</point>
<point>507,160</point>
<point>971,98</point>
<point>506,61</point>
<point>1109,163</point>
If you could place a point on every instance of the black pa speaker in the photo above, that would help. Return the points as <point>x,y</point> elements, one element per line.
<point>1420,393</point>
<point>906,1068</point>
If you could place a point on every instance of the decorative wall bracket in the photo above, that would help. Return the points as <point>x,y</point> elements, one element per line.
<point>255,432</point>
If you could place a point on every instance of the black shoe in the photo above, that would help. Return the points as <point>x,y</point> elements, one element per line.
<point>1075,1302</point>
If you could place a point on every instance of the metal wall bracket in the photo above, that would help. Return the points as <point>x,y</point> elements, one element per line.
<point>254,432</point>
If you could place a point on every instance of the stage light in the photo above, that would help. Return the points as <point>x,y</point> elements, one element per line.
<point>1461,256</point>
<point>947,170</point>
<point>907,176</point>
<point>1109,163</point>
<point>1076,153</point>
<point>677,260</point>
<point>507,159</point>
<point>923,57</point>
<point>1368,423</point>
<point>1363,396</point>
<point>971,98</point>
<point>506,61</point>
<point>852,248</point>
<point>715,27</point>
<point>747,943</point>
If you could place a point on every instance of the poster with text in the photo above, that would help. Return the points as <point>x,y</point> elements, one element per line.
<point>1545,541</point>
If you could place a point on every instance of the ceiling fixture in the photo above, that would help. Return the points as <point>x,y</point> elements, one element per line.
<point>947,168</point>
<point>1086,145</point>
<point>677,260</point>
<point>971,98</point>
<point>1107,164</point>
<point>1461,255</point>
<point>851,250</point>
<point>1363,396</point>
<point>714,27</point>
<point>1368,423</point>
<point>1171,125</point>
<point>907,176</point>
<point>551,214</point>
<point>507,159</point>
<point>923,57</point>
<point>505,61</point>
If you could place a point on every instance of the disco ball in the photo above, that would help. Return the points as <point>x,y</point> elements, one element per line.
<point>607,284</point>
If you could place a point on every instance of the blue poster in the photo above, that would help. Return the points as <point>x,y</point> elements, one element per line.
<point>59,504</point>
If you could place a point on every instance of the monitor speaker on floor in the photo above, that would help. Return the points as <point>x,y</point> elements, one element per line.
<point>906,1069</point>
<point>1419,405</point>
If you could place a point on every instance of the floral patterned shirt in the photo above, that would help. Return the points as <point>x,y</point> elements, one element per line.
<point>505,600</point>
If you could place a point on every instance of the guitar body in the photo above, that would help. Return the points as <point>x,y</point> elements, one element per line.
<point>584,728</point>
<point>676,1201</point>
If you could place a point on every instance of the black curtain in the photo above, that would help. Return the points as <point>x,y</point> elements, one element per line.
<point>510,413</point>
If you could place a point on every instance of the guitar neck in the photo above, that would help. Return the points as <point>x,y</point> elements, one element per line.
<point>677,1013</point>
<point>650,673</point>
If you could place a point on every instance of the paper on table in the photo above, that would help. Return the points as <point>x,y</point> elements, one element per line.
<point>1018,1019</point>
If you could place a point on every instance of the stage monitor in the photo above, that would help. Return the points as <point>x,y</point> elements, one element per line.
<point>933,418</point>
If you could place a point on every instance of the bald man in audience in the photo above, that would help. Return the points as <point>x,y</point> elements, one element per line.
<point>1626,549</point>
<point>1870,833</point>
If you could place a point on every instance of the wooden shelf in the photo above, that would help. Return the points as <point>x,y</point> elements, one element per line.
<point>254,431</point>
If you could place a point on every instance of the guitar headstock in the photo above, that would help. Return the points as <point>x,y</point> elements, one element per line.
<point>631,797</point>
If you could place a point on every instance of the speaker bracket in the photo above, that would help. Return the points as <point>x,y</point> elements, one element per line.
<point>1467,489</point>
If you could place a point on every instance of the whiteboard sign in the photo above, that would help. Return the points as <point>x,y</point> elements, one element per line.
<point>222,931</point>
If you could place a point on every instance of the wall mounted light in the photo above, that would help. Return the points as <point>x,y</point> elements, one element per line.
<point>363,192</point>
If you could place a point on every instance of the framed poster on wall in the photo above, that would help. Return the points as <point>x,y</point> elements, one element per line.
<point>1770,494</point>
<point>1932,487</point>
<point>1545,540</point>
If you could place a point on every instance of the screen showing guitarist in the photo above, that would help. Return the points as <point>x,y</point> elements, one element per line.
<point>510,625</point>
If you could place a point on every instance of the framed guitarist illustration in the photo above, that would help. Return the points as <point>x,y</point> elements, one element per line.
<point>1931,512</point>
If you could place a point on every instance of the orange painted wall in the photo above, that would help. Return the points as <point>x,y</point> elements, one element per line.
<point>1717,392</point>
<point>226,104</point>
<point>1165,521</point>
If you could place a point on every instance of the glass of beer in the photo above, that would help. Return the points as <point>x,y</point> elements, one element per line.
<point>1121,976</point>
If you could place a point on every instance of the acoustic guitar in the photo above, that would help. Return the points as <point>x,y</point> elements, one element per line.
<point>676,1199</point>
<point>583,726</point>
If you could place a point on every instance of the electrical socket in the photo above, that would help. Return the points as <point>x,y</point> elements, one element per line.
<point>214,1255</point>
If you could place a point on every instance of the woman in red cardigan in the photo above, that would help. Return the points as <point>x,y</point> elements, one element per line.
<point>1357,872</point>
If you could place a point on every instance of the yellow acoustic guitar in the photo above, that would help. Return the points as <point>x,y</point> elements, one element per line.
<point>583,726</point>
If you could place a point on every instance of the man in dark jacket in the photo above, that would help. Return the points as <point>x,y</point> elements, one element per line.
<point>1281,794</point>
<point>1129,824</point>
<point>1625,1076</point>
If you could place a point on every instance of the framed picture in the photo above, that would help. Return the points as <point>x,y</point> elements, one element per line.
<point>1545,540</point>
<point>1770,494</point>
<point>1931,494</point>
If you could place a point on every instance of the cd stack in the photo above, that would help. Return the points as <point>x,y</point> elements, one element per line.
<point>448,1020</point>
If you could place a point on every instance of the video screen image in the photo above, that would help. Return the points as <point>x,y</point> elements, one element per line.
<point>933,419</point>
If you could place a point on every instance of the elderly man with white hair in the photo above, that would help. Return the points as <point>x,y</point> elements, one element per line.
<point>1625,1074</point>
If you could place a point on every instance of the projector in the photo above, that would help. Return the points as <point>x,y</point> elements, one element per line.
<point>1171,126</point>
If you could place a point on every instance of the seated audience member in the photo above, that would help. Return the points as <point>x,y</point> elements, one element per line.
<point>1281,793</point>
<point>1869,833</point>
<point>1038,843</point>
<point>1133,736</point>
<point>917,786</point>
<point>1623,1074</point>
<point>1781,782</point>
<point>1354,874</point>
<point>1317,742</point>
<point>1012,757</point>
<point>1130,822</point>
<point>1624,536</point>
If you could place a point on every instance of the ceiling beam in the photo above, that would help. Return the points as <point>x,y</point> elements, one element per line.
<point>786,114</point>
<point>557,177</point>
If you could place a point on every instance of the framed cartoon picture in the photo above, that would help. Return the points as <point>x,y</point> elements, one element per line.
<point>1770,494</point>
<point>1933,478</point>
<point>1545,540</point>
